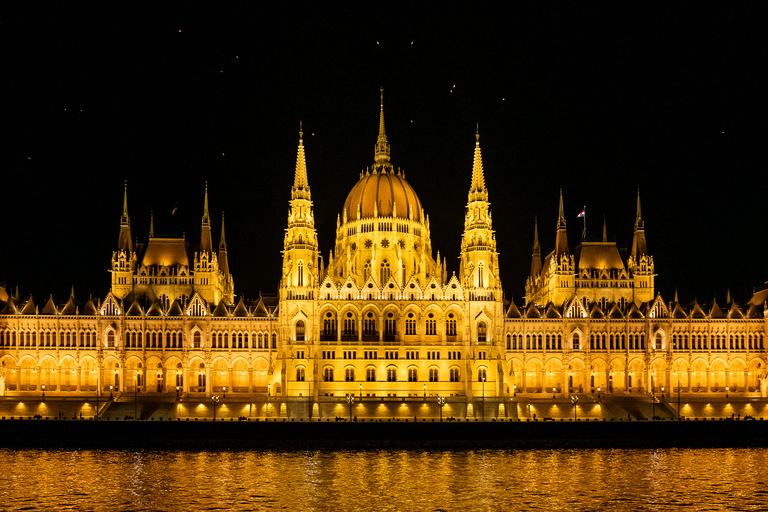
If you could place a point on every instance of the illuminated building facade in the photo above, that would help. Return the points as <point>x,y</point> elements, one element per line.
<point>382,318</point>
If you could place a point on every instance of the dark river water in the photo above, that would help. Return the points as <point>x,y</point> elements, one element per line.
<point>699,479</point>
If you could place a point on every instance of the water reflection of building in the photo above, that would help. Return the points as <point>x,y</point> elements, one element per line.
<point>382,317</point>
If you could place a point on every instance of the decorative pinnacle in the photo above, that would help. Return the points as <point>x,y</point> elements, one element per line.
<point>223,243</point>
<point>300,188</point>
<point>206,216</point>
<point>125,219</point>
<point>536,246</point>
<point>477,191</point>
<point>639,218</point>
<point>561,215</point>
<point>381,154</point>
<point>151,224</point>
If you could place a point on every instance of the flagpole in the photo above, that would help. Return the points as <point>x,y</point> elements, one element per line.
<point>584,233</point>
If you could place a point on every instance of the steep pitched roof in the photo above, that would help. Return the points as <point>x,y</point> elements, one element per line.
<point>10,307</point>
<point>261,309</point>
<point>615,312</point>
<point>512,310</point>
<point>240,309</point>
<point>696,311</point>
<point>754,311</point>
<point>552,312</point>
<point>532,311</point>
<point>221,310</point>
<point>156,309</point>
<point>134,309</point>
<point>716,312</point>
<point>49,308</point>
<point>679,312</point>
<point>735,312</point>
<point>175,309</point>
<point>596,312</point>
<point>29,307</point>
<point>89,308</point>
<point>70,308</point>
<point>634,312</point>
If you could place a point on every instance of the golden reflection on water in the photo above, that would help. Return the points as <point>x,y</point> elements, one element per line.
<point>385,479</point>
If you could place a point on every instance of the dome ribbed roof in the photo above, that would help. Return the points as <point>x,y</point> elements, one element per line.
<point>382,189</point>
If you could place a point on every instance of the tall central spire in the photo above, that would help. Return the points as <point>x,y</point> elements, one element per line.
<point>561,241</point>
<point>124,242</point>
<point>206,242</point>
<point>300,188</point>
<point>125,219</point>
<point>477,191</point>
<point>381,154</point>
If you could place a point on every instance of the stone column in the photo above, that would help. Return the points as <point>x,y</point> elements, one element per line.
<point>709,380</point>
<point>39,378</point>
<point>250,381</point>
<point>746,381</point>
<point>690,384</point>
<point>79,374</point>
<point>208,381</point>
<point>58,379</point>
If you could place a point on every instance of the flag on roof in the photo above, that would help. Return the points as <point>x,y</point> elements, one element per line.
<point>583,213</point>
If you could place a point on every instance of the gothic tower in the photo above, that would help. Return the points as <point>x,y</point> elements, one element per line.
<point>301,273</point>
<point>124,259</point>
<point>640,263</point>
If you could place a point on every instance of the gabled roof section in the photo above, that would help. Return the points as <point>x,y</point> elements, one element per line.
<point>70,308</point>
<point>615,312</point>
<point>156,309</point>
<point>196,303</point>
<point>634,312</point>
<point>552,312</point>
<point>658,309</point>
<point>175,309</point>
<point>754,311</point>
<point>532,311</point>
<point>575,309</point>
<point>261,309</point>
<point>697,312</point>
<point>679,312</point>
<point>715,311</point>
<point>512,310</point>
<point>221,310</point>
<point>10,307</point>
<point>735,312</point>
<point>29,307</point>
<point>49,308</point>
<point>240,309</point>
<point>135,309</point>
<point>596,312</point>
<point>89,308</point>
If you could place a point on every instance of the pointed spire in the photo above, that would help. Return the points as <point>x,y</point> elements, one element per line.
<point>151,224</point>
<point>536,258</point>
<point>300,188</point>
<point>381,153</point>
<point>477,190</point>
<point>561,241</point>
<point>223,260</point>
<point>72,293</point>
<point>728,297</point>
<point>124,242</point>
<point>639,246</point>
<point>206,240</point>
<point>676,299</point>
<point>605,230</point>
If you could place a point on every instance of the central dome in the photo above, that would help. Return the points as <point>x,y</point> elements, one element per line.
<point>380,191</point>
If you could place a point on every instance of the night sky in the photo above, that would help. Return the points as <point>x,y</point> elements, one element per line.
<point>596,98</point>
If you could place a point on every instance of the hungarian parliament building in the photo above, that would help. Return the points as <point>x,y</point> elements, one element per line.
<point>382,317</point>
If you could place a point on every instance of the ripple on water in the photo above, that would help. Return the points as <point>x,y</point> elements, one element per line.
<point>385,479</point>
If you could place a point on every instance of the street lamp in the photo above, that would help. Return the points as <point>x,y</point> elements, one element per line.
<point>214,401</point>
<point>350,401</point>
<point>575,402</point>
<point>662,393</point>
<point>440,404</point>
<point>361,393</point>
<point>225,392</point>
<point>726,390</point>
<point>425,392</point>
<point>598,392</point>
<point>43,398</point>
<point>178,403</point>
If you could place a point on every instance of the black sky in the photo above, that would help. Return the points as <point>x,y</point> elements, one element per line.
<point>597,98</point>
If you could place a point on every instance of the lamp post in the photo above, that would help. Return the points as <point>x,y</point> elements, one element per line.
<point>178,403</point>
<point>575,402</point>
<point>598,392</point>
<point>726,390</point>
<point>214,401</point>
<point>361,393</point>
<point>269,397</point>
<point>440,404</point>
<point>225,392</point>
<point>425,392</point>
<point>310,399</point>
<point>350,401</point>
<point>43,397</point>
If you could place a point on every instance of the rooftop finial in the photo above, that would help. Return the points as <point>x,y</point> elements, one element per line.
<point>477,190</point>
<point>605,230</point>
<point>151,224</point>
<point>381,154</point>
<point>206,216</point>
<point>639,218</point>
<point>300,188</point>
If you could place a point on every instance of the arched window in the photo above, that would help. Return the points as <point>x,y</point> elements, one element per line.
<point>412,375</point>
<point>328,374</point>
<point>110,338</point>
<point>367,269</point>
<point>454,374</point>
<point>450,325</point>
<point>481,332</point>
<point>410,325</point>
<point>349,374</point>
<point>431,324</point>
<point>480,281</point>
<point>576,341</point>
<point>481,375</point>
<point>433,375</point>
<point>349,325</point>
<point>300,374</point>
<point>274,340</point>
<point>391,374</point>
<point>300,330</point>
<point>300,277</point>
<point>509,342</point>
<point>369,324</point>
<point>370,374</point>
<point>196,342</point>
<point>385,272</point>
